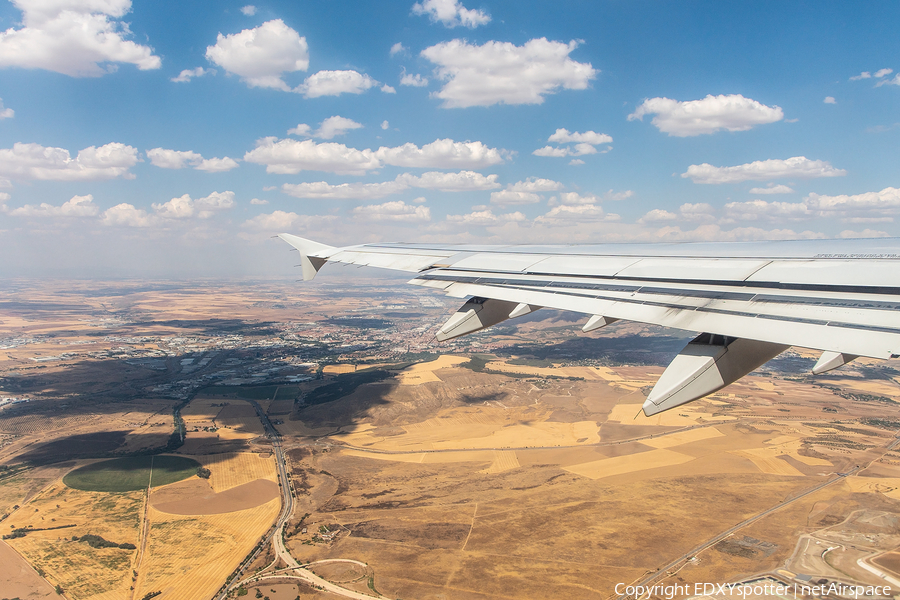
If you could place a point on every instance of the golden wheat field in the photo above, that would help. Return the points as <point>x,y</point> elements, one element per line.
<point>237,468</point>
<point>82,571</point>
<point>190,556</point>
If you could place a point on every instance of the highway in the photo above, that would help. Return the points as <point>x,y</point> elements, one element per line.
<point>287,503</point>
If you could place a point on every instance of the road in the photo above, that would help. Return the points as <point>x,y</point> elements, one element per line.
<point>663,571</point>
<point>287,503</point>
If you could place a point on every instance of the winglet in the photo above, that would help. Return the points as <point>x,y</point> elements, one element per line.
<point>309,250</point>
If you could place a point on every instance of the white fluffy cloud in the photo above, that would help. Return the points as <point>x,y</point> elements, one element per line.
<point>184,207</point>
<point>525,192</point>
<point>343,191</point>
<point>761,170</point>
<point>772,189</point>
<point>260,56</point>
<point>394,211</point>
<point>486,217</point>
<point>6,113</point>
<point>335,83</point>
<point>176,159</point>
<point>126,215</point>
<point>248,10</point>
<point>33,161</point>
<point>564,136</point>
<point>867,75</point>
<point>413,80</point>
<point>446,182</point>
<point>501,72</point>
<point>894,81</point>
<point>188,74</point>
<point>328,129</point>
<point>398,48</point>
<point>762,209</point>
<point>442,154</point>
<point>584,143</point>
<point>77,206</point>
<point>829,100</point>
<point>451,13</point>
<point>258,202</point>
<point>292,156</point>
<point>887,199</point>
<point>512,197</point>
<point>575,199</point>
<point>564,214</point>
<point>463,181</point>
<point>280,220</point>
<point>713,113</point>
<point>80,38</point>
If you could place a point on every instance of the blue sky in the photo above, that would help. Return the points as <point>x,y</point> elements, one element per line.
<point>173,139</point>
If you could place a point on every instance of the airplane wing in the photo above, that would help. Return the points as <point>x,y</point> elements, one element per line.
<point>749,301</point>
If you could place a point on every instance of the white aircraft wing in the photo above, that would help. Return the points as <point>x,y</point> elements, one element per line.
<point>749,301</point>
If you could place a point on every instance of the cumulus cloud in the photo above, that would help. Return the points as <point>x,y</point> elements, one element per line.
<point>385,124</point>
<point>698,211</point>
<point>564,136</point>
<point>258,202</point>
<point>288,157</point>
<point>127,215</point>
<point>446,182</point>
<point>291,156</point>
<point>77,206</point>
<point>413,80</point>
<point>248,10</point>
<point>6,113</point>
<point>289,221</point>
<point>485,217</point>
<point>525,192</point>
<point>388,89</point>
<point>398,48</point>
<point>574,199</point>
<point>394,211</point>
<point>188,74</point>
<point>184,207</point>
<point>584,143</point>
<point>260,56</point>
<point>772,189</point>
<point>443,154</point>
<point>551,152</point>
<point>887,199</point>
<point>328,129</point>
<point>510,197</point>
<point>867,75</point>
<point>658,215</point>
<point>335,83</point>
<point>79,38</point>
<point>829,100</point>
<point>501,72</point>
<point>451,13</point>
<point>713,113</point>
<point>177,159</point>
<point>576,161</point>
<point>33,161</point>
<point>343,191</point>
<point>894,81</point>
<point>564,214</point>
<point>762,209</point>
<point>761,170</point>
<point>464,181</point>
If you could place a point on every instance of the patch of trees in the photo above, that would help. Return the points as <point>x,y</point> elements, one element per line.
<point>96,541</point>
<point>203,473</point>
<point>151,595</point>
<point>23,531</point>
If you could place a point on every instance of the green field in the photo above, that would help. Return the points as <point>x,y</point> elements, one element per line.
<point>130,474</point>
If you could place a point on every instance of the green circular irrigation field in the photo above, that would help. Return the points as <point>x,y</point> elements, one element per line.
<point>130,474</point>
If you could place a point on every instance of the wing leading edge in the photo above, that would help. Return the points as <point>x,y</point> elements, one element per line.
<point>750,301</point>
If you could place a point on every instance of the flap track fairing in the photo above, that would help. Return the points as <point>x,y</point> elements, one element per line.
<point>707,364</point>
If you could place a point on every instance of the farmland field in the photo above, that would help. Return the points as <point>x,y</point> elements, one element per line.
<point>130,474</point>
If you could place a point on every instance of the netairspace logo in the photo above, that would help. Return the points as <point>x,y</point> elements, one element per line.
<point>742,590</point>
